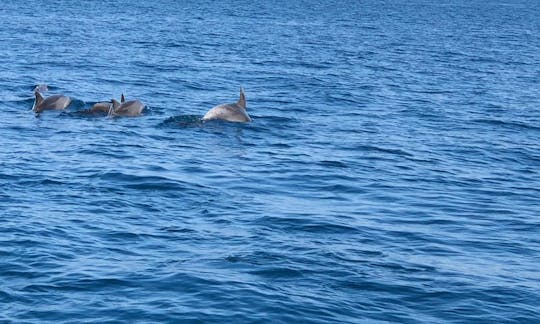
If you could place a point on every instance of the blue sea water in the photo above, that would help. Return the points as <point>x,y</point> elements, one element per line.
<point>390,174</point>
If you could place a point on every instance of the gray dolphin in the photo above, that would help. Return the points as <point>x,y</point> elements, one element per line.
<point>104,106</point>
<point>100,107</point>
<point>125,108</point>
<point>233,112</point>
<point>56,102</point>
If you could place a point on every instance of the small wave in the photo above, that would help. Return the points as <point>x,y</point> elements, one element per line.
<point>333,164</point>
<point>277,272</point>
<point>508,124</point>
<point>78,285</point>
<point>306,225</point>
<point>276,120</point>
<point>385,150</point>
<point>28,101</point>
<point>149,183</point>
<point>177,229</point>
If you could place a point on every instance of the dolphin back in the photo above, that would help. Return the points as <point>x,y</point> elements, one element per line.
<point>100,107</point>
<point>55,102</point>
<point>227,112</point>
<point>128,108</point>
<point>233,112</point>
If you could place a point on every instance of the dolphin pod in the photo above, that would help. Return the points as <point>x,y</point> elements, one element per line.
<point>232,112</point>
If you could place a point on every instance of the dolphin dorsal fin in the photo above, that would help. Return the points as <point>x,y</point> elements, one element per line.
<point>242,101</point>
<point>39,98</point>
<point>122,98</point>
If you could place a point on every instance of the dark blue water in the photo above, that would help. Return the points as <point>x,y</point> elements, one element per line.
<point>391,171</point>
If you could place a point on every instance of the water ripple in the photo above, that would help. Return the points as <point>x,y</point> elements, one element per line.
<point>390,173</point>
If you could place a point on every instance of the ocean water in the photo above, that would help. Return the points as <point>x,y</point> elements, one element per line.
<point>390,174</point>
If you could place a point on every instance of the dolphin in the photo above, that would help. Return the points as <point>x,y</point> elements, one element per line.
<point>103,106</point>
<point>233,112</point>
<point>125,108</point>
<point>56,102</point>
<point>100,107</point>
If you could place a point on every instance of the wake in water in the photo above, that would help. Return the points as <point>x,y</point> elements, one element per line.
<point>185,121</point>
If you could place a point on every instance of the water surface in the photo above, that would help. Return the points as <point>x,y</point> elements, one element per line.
<point>390,173</point>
